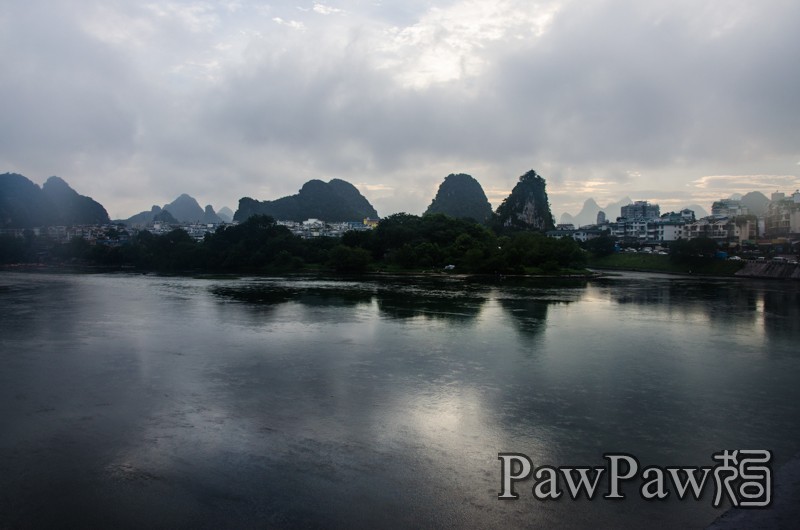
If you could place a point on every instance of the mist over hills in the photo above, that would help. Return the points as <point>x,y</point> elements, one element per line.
<point>590,209</point>
<point>698,210</point>
<point>756,202</point>
<point>184,209</point>
<point>226,214</point>
<point>588,213</point>
<point>333,201</point>
<point>23,204</point>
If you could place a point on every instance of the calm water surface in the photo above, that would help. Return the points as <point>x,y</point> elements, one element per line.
<point>146,401</point>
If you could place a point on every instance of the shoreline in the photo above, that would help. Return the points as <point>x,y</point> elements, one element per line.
<point>592,272</point>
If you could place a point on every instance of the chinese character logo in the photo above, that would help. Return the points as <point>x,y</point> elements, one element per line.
<point>743,477</point>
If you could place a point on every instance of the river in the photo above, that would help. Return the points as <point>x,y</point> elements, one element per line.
<point>150,401</point>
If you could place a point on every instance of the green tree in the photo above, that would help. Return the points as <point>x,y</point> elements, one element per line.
<point>348,259</point>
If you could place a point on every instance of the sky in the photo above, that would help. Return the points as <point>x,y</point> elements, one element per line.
<point>136,102</point>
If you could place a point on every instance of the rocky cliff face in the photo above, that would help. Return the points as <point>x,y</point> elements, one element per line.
<point>528,206</point>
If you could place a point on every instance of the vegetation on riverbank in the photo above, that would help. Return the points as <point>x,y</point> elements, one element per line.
<point>668,264</point>
<point>401,242</point>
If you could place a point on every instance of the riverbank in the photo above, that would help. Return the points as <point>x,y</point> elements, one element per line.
<point>771,270</point>
<point>659,263</point>
<point>568,274</point>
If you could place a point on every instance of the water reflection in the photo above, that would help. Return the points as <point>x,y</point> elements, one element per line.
<point>432,300</point>
<point>781,312</point>
<point>528,306</point>
<point>306,403</point>
<point>454,306</point>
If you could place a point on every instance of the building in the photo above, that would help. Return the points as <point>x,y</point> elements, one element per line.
<point>601,218</point>
<point>640,210</point>
<point>581,234</point>
<point>783,216</point>
<point>664,230</point>
<point>726,231</point>
<point>668,227</point>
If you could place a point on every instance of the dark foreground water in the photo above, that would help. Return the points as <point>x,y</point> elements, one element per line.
<point>145,401</point>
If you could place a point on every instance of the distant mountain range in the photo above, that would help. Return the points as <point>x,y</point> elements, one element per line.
<point>184,209</point>
<point>23,204</point>
<point>333,201</point>
<point>226,214</point>
<point>463,197</point>
<point>590,209</point>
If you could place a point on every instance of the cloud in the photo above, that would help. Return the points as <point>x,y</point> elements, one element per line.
<point>294,24</point>
<point>323,9</point>
<point>744,183</point>
<point>455,42</point>
<point>136,103</point>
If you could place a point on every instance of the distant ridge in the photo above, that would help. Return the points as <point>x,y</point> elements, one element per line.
<point>226,214</point>
<point>333,201</point>
<point>461,196</point>
<point>184,209</point>
<point>142,218</point>
<point>590,209</point>
<point>23,204</point>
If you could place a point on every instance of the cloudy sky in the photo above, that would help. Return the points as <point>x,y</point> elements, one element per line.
<point>133,103</point>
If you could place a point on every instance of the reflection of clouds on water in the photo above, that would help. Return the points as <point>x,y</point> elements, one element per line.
<point>327,401</point>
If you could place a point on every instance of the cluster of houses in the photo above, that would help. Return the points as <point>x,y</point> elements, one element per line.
<point>316,228</point>
<point>116,234</point>
<point>730,224</point>
<point>107,234</point>
<point>306,229</point>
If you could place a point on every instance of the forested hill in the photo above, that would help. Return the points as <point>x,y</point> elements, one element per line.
<point>333,201</point>
<point>23,204</point>
<point>462,197</point>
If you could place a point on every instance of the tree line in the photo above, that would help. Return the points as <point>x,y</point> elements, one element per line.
<point>259,245</point>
